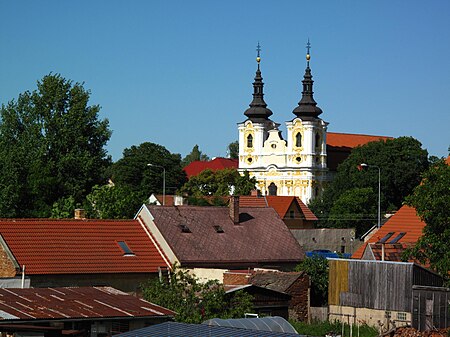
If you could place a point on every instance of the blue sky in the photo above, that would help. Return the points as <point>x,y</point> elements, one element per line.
<point>180,73</point>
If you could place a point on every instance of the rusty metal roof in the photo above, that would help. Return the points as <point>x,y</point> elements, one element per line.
<point>73,303</point>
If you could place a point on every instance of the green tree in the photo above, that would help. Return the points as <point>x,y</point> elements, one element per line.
<point>52,146</point>
<point>219,183</point>
<point>195,155</point>
<point>194,301</point>
<point>431,199</point>
<point>132,170</point>
<point>401,161</point>
<point>316,268</point>
<point>233,150</point>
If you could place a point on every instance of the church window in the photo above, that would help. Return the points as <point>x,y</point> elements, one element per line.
<point>273,189</point>
<point>249,141</point>
<point>249,160</point>
<point>317,140</point>
<point>274,146</point>
<point>298,139</point>
<point>298,159</point>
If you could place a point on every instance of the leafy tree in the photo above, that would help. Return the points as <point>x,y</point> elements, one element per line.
<point>401,161</point>
<point>52,146</point>
<point>113,202</point>
<point>431,199</point>
<point>132,170</point>
<point>195,155</point>
<point>219,183</point>
<point>316,268</point>
<point>194,301</point>
<point>233,150</point>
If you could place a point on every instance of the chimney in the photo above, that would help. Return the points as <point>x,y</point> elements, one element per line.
<point>80,214</point>
<point>234,208</point>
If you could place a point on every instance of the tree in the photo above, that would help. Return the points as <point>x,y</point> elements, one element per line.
<point>52,147</point>
<point>219,183</point>
<point>431,199</point>
<point>132,170</point>
<point>195,155</point>
<point>193,301</point>
<point>316,268</point>
<point>233,150</point>
<point>401,160</point>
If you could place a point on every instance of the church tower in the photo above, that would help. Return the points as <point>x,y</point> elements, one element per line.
<point>292,167</point>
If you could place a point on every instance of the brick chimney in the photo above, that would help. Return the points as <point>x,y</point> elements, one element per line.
<point>80,214</point>
<point>234,208</point>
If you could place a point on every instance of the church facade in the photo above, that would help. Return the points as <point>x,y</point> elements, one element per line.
<point>295,166</point>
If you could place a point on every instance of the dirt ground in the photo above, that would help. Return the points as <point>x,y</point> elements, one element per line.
<point>410,332</point>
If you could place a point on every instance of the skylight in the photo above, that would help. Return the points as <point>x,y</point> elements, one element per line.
<point>386,237</point>
<point>126,250</point>
<point>219,229</point>
<point>398,237</point>
<point>184,228</point>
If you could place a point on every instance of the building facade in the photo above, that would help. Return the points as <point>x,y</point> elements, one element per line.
<point>296,166</point>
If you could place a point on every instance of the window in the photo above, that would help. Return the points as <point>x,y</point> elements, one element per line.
<point>292,214</point>
<point>401,316</point>
<point>126,250</point>
<point>273,146</point>
<point>218,229</point>
<point>249,141</point>
<point>184,228</point>
<point>298,139</point>
<point>317,140</point>
<point>273,189</point>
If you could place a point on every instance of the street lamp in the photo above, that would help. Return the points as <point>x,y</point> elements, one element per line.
<point>164,180</point>
<point>361,166</point>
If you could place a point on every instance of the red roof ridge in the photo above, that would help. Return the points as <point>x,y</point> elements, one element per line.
<point>359,134</point>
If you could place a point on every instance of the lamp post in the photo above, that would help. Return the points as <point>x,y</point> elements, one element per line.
<point>362,165</point>
<point>164,180</point>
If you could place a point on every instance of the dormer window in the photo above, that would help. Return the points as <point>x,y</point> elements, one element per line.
<point>184,228</point>
<point>298,139</point>
<point>249,141</point>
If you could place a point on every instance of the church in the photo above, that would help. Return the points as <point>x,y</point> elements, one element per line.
<point>295,166</point>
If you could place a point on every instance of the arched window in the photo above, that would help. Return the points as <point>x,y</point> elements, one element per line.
<point>249,141</point>
<point>273,189</point>
<point>317,140</point>
<point>298,139</point>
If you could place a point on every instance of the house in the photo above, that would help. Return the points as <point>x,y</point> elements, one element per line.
<point>79,252</point>
<point>167,200</point>
<point>196,167</point>
<point>84,311</point>
<point>295,214</point>
<point>386,294</point>
<point>248,327</point>
<point>295,284</point>
<point>339,240</point>
<point>211,240</point>
<point>401,231</point>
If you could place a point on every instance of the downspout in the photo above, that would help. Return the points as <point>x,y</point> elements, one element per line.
<point>23,276</point>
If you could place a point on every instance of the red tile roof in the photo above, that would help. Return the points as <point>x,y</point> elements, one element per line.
<point>351,140</point>
<point>198,166</point>
<point>404,221</point>
<point>50,246</point>
<point>261,237</point>
<point>74,303</point>
<point>280,204</point>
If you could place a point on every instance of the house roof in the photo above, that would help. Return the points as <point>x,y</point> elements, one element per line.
<point>392,252</point>
<point>74,303</point>
<point>218,163</point>
<point>169,200</point>
<point>404,221</point>
<point>351,140</point>
<point>280,204</point>
<point>278,281</point>
<point>50,246</point>
<point>260,236</point>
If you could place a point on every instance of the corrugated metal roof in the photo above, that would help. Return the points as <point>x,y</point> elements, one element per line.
<point>50,246</point>
<point>174,329</point>
<point>272,324</point>
<point>404,221</point>
<point>73,303</point>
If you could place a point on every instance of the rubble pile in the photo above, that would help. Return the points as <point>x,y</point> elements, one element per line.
<point>411,332</point>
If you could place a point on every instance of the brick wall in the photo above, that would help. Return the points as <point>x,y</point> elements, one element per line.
<point>7,268</point>
<point>298,306</point>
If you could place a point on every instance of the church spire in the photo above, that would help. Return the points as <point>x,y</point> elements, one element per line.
<point>307,107</point>
<point>258,110</point>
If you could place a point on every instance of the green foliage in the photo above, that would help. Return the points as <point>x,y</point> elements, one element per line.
<point>323,328</point>
<point>219,183</point>
<point>233,150</point>
<point>431,199</point>
<point>317,269</point>
<point>193,301</point>
<point>357,204</point>
<point>195,155</point>
<point>401,161</point>
<point>132,170</point>
<point>64,208</point>
<point>113,202</point>
<point>51,148</point>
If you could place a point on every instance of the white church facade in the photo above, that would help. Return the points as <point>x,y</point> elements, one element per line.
<point>295,166</point>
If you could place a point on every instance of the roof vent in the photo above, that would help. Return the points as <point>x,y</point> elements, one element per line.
<point>219,229</point>
<point>184,228</point>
